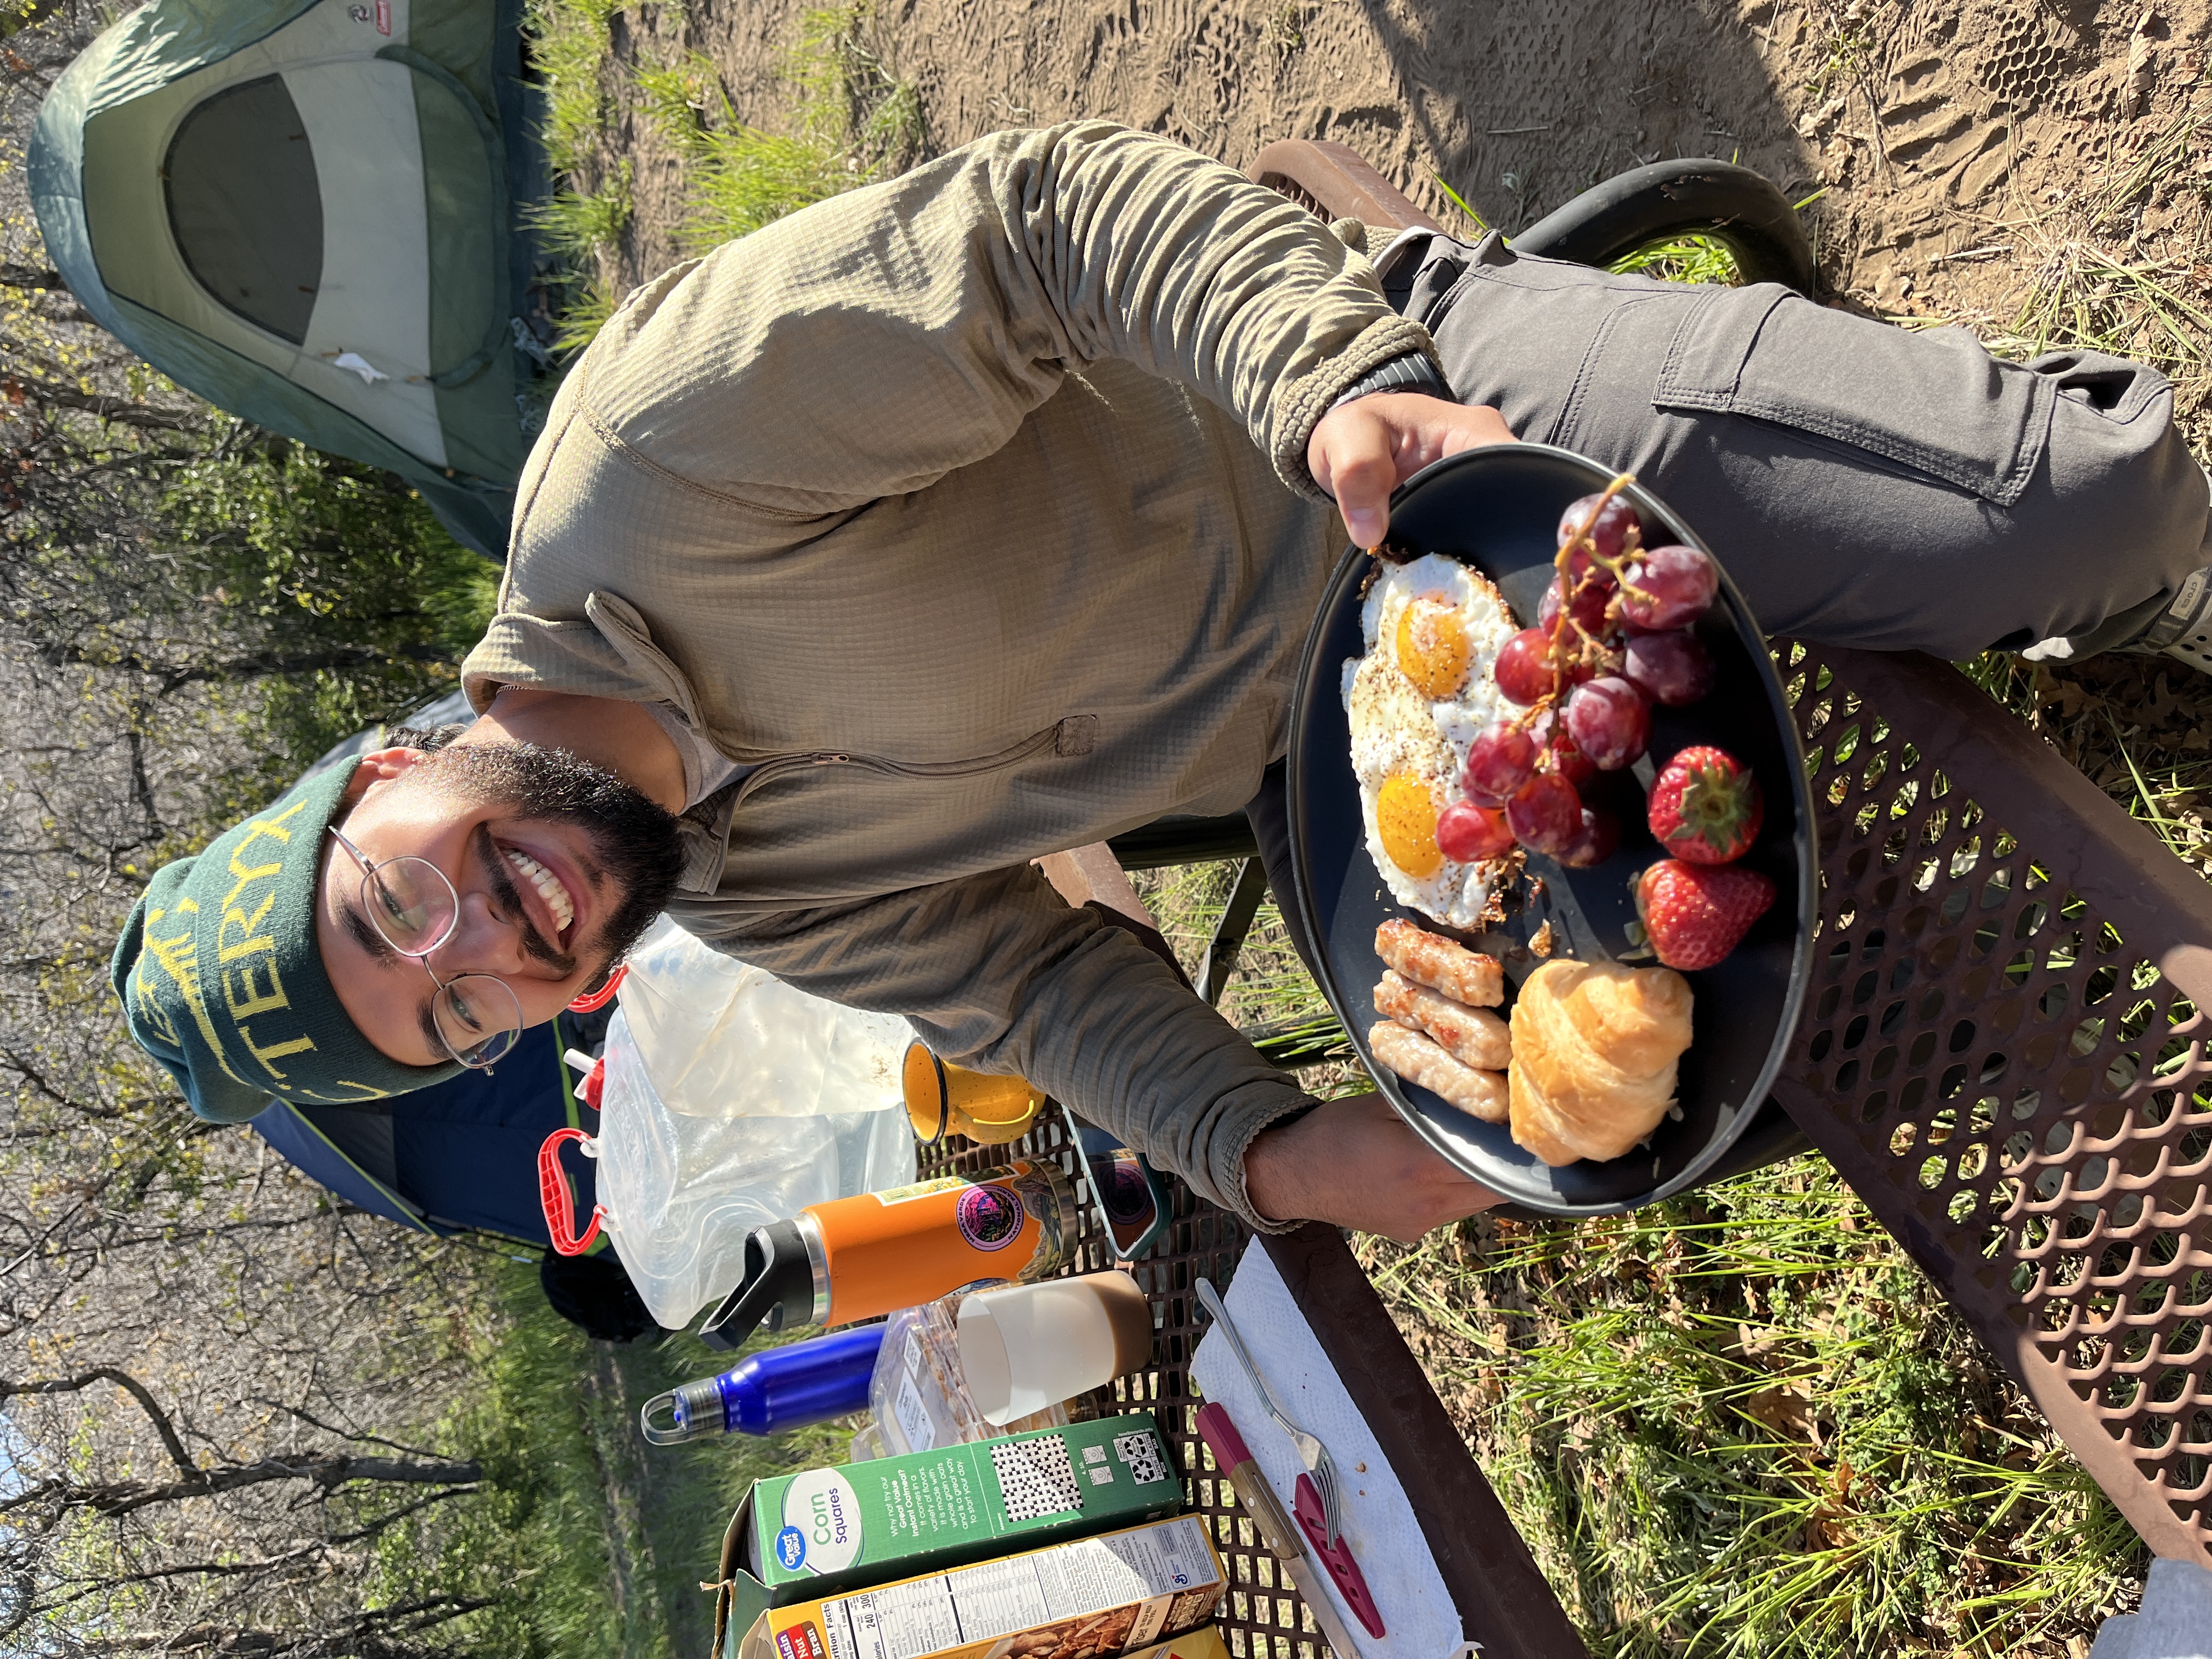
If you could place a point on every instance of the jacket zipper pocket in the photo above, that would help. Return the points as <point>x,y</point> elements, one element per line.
<point>769,770</point>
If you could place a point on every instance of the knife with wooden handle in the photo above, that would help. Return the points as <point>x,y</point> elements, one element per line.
<point>1277,1530</point>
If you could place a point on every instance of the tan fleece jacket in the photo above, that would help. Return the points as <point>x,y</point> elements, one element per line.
<point>971,510</point>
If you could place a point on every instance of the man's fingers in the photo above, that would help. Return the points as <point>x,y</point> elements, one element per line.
<point>1362,451</point>
<point>1363,472</point>
<point>1354,457</point>
<point>1475,425</point>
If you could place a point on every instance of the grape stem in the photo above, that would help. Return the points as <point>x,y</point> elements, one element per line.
<point>1565,619</point>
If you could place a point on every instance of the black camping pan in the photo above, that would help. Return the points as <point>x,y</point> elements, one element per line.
<point>1498,510</point>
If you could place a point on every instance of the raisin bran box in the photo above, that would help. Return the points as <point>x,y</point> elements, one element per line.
<point>1204,1643</point>
<point>798,1537</point>
<point>1118,1594</point>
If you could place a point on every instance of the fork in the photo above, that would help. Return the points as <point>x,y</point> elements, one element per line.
<point>1316,1456</point>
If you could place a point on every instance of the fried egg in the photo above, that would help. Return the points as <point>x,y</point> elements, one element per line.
<point>1432,628</point>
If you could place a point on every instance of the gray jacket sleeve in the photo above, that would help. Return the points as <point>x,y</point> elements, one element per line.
<point>997,973</point>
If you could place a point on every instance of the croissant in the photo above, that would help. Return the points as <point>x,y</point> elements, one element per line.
<point>1594,1046</point>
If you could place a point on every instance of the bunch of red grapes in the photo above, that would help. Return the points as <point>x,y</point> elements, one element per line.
<point>1612,637</point>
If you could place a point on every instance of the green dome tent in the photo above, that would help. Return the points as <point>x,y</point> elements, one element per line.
<point>304,211</point>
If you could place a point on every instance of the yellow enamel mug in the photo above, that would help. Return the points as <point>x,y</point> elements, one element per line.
<point>942,1100</point>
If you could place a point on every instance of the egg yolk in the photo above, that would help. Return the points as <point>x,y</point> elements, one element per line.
<point>1432,647</point>
<point>1406,816</point>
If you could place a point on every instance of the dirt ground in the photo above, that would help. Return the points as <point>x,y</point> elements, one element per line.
<point>1969,152</point>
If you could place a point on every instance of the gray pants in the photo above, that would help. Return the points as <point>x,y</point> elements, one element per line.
<point>1865,485</point>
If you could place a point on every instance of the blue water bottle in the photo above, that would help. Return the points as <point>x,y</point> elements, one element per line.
<point>785,1388</point>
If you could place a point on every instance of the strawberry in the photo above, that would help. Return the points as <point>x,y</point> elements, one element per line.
<point>1705,806</point>
<point>1694,913</point>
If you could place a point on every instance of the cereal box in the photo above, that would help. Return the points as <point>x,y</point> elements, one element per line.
<point>1120,1593</point>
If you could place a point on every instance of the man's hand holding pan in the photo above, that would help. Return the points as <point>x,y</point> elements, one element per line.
<point>1362,450</point>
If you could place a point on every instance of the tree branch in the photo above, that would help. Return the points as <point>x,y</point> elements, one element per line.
<point>132,1385</point>
<point>123,410</point>
<point>343,1434</point>
<point>13,276</point>
<point>174,677</point>
<point>327,1470</point>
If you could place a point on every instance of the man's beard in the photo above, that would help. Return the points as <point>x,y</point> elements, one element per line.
<point>634,841</point>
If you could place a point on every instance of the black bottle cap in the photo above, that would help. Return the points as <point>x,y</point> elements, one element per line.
<point>777,1289</point>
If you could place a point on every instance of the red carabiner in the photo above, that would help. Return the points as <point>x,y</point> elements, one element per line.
<point>592,1001</point>
<point>559,1203</point>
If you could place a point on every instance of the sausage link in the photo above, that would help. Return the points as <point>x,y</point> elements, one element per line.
<point>1463,974</point>
<point>1473,1037</point>
<point>1419,1061</point>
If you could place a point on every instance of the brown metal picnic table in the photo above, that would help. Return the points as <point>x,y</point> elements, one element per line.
<point>2004,1054</point>
<point>2004,1051</point>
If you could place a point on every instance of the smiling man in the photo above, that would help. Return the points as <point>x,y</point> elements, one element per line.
<point>982,514</point>
<point>520,869</point>
<point>394,918</point>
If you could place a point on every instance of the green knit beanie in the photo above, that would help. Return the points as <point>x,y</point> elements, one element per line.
<point>222,980</point>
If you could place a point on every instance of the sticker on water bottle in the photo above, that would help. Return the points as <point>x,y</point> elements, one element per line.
<point>989,1218</point>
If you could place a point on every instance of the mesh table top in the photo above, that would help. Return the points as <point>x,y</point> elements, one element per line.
<point>1261,1617</point>
<point>1503,1599</point>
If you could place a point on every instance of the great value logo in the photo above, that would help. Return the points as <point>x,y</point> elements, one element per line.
<point>821,1529</point>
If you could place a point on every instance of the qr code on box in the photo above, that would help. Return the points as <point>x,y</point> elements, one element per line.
<point>1141,1451</point>
<point>1036,1478</point>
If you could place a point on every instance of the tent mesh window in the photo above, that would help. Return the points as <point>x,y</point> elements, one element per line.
<point>245,206</point>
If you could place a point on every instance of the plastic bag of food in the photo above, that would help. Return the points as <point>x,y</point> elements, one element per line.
<point>722,1039</point>
<point>918,1400</point>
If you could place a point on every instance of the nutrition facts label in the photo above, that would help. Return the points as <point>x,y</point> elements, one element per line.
<point>1143,1573</point>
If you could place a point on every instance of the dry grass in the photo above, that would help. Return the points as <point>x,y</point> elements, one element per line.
<point>2127,269</point>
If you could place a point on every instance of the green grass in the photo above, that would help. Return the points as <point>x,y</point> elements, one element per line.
<point>1678,259</point>
<point>850,100</point>
<point>1742,1423</point>
<point>588,1542</point>
<point>584,227</point>
<point>1738,1423</point>
<point>1683,260</point>
<point>569,46</point>
<point>743,179</point>
<point>852,121</point>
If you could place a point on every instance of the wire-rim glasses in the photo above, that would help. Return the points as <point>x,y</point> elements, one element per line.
<point>412,904</point>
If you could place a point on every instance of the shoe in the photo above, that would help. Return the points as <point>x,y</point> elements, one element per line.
<point>2145,629</point>
<point>2184,628</point>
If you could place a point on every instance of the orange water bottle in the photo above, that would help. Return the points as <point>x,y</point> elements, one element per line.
<point>855,1258</point>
